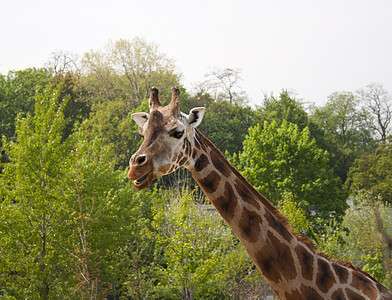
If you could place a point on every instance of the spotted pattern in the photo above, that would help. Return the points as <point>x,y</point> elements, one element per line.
<point>279,227</point>
<point>187,147</point>
<point>310,293</point>
<point>295,294</point>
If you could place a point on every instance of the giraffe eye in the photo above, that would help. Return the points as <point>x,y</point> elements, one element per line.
<point>177,134</point>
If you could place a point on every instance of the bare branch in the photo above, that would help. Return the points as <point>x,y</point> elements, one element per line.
<point>378,102</point>
<point>62,62</point>
<point>223,82</point>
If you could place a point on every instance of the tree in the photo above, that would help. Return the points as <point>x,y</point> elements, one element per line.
<point>367,238</point>
<point>283,108</point>
<point>64,210</point>
<point>110,122</point>
<point>224,84</point>
<point>348,132</point>
<point>32,215</point>
<point>227,124</point>
<point>17,91</point>
<point>283,160</point>
<point>78,108</point>
<point>378,102</point>
<point>127,70</point>
<point>238,277</point>
<point>62,62</point>
<point>194,239</point>
<point>296,214</point>
<point>364,236</point>
<point>95,230</point>
<point>373,172</point>
<point>143,250</point>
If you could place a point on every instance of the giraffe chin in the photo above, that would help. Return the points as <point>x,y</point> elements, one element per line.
<point>143,181</point>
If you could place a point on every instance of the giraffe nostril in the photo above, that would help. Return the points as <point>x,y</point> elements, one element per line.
<point>140,160</point>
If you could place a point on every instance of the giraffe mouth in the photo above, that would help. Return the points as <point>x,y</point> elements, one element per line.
<point>143,181</point>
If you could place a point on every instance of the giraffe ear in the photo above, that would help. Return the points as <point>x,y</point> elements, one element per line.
<point>140,118</point>
<point>196,116</point>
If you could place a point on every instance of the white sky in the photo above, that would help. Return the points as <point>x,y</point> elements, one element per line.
<point>311,47</point>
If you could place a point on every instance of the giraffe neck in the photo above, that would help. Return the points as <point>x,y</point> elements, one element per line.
<point>291,265</point>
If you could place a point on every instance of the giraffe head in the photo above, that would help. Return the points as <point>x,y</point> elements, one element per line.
<point>167,133</point>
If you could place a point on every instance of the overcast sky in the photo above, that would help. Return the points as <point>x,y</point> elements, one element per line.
<point>312,48</point>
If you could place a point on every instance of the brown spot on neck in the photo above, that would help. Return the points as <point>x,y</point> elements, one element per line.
<point>201,162</point>
<point>276,260</point>
<point>325,279</point>
<point>250,225</point>
<point>210,183</point>
<point>219,164</point>
<point>341,272</point>
<point>306,260</point>
<point>246,194</point>
<point>363,283</point>
<point>227,203</point>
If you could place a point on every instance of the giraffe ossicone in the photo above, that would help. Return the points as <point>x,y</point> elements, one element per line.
<point>290,263</point>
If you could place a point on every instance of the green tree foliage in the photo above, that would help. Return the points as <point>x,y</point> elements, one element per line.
<point>17,91</point>
<point>65,213</point>
<point>72,227</point>
<point>281,160</point>
<point>194,240</point>
<point>238,278</point>
<point>226,125</point>
<point>78,107</point>
<point>364,237</point>
<point>286,108</point>
<point>373,172</point>
<point>110,122</point>
<point>201,257</point>
<point>98,205</point>
<point>348,131</point>
<point>295,214</point>
<point>189,101</point>
<point>283,108</point>
<point>31,218</point>
<point>141,251</point>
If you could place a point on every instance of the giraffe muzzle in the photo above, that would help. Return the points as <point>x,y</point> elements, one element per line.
<point>140,180</point>
<point>143,181</point>
<point>140,171</point>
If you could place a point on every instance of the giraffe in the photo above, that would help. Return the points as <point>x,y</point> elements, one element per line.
<point>294,268</point>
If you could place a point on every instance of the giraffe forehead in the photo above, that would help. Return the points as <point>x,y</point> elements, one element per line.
<point>163,120</point>
<point>157,119</point>
<point>158,123</point>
